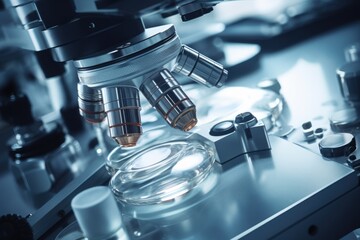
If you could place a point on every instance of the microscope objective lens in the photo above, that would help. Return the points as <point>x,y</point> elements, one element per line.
<point>90,104</point>
<point>165,94</point>
<point>122,107</point>
<point>229,153</point>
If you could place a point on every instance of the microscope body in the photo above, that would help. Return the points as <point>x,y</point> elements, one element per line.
<point>115,56</point>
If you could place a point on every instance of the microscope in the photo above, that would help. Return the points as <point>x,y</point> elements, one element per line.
<point>116,56</point>
<point>247,183</point>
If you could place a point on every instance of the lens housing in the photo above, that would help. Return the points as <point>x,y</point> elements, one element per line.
<point>91,107</point>
<point>122,107</point>
<point>165,94</point>
<point>200,68</point>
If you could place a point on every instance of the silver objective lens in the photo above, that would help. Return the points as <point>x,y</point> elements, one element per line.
<point>122,107</point>
<point>200,68</point>
<point>165,94</point>
<point>90,104</point>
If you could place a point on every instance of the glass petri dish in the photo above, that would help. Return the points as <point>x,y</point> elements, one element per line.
<point>162,173</point>
<point>179,209</point>
<point>119,155</point>
<point>230,101</point>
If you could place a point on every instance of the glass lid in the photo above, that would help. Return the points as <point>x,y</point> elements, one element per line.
<point>163,172</point>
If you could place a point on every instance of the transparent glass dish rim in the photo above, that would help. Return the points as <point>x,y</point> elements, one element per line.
<point>163,172</point>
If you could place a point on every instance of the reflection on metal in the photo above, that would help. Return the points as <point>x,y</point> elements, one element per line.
<point>200,68</point>
<point>145,62</point>
<point>228,193</point>
<point>90,102</point>
<point>248,136</point>
<point>165,94</point>
<point>122,107</point>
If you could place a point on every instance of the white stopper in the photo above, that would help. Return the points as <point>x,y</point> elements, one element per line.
<point>97,213</point>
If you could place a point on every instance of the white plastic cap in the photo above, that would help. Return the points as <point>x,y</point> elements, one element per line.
<point>97,212</point>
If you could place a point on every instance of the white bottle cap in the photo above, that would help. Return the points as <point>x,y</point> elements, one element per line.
<point>97,212</point>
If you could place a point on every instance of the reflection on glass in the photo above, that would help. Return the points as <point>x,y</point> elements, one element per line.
<point>119,155</point>
<point>187,163</point>
<point>151,158</point>
<point>231,101</point>
<point>163,172</point>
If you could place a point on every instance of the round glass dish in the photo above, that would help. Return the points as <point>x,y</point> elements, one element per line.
<point>230,101</point>
<point>163,172</point>
<point>154,136</point>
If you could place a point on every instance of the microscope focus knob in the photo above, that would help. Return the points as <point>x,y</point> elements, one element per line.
<point>16,110</point>
<point>337,145</point>
<point>14,227</point>
<point>349,79</point>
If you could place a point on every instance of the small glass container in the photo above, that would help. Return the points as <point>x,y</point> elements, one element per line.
<point>163,172</point>
<point>151,137</point>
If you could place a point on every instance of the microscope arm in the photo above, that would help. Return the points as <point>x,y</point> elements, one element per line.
<point>115,56</point>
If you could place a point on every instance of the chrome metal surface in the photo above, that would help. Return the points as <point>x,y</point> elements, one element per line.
<point>122,107</point>
<point>200,68</point>
<point>165,94</point>
<point>242,140</point>
<point>253,196</point>
<point>90,104</point>
<point>270,194</point>
<point>135,68</point>
<point>149,38</point>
